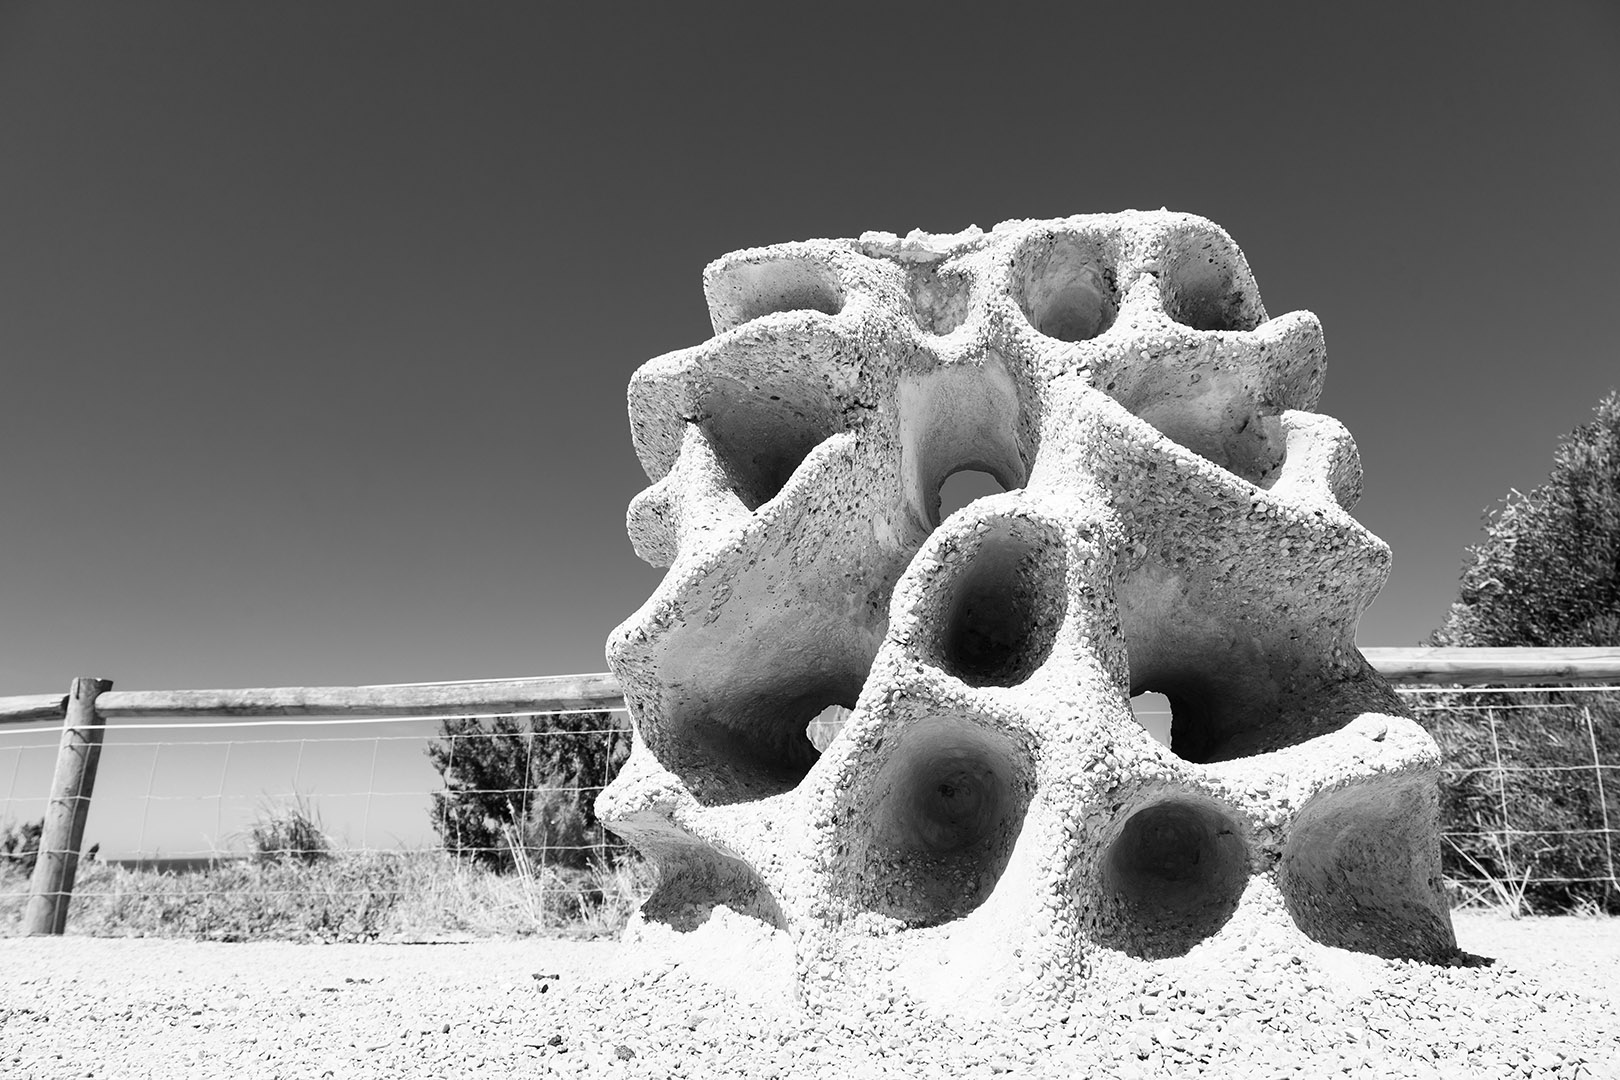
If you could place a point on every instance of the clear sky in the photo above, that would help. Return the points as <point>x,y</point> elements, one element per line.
<point>316,318</point>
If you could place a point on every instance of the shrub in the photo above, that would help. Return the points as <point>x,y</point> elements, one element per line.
<point>289,833</point>
<point>1548,571</point>
<point>351,897</point>
<point>524,788</point>
<point>1546,574</point>
<point>19,845</point>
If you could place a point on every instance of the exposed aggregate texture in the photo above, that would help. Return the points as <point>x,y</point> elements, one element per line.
<point>1174,518</point>
<point>81,1007</point>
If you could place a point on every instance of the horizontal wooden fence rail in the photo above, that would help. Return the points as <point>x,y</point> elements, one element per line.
<point>32,708</point>
<point>1498,667</point>
<point>90,703</point>
<point>555,693</point>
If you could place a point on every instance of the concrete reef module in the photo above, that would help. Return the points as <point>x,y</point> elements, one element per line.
<point>902,740</point>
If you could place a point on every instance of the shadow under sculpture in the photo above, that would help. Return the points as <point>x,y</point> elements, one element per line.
<point>892,735</point>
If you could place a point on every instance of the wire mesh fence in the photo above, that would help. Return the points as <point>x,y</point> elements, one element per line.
<point>344,819</point>
<point>187,791</point>
<point>347,819</point>
<point>1530,793</point>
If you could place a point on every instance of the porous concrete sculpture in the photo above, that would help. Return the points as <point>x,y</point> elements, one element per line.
<point>1175,519</point>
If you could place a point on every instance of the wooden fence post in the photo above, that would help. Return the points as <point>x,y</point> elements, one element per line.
<point>58,859</point>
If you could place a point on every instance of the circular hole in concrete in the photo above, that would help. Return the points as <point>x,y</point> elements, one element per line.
<point>959,419</point>
<point>949,804</point>
<point>1066,294</point>
<point>951,798</point>
<point>747,736</point>
<point>1201,291</point>
<point>1172,876</point>
<point>1003,611</point>
<point>963,487</point>
<point>947,789</point>
<point>939,299</point>
<point>1216,420</point>
<point>1185,714</point>
<point>762,433</point>
<point>744,291</point>
<point>1379,834</point>
<point>1218,689</point>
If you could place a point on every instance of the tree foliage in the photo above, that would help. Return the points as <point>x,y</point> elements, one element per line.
<point>526,785</point>
<point>1522,796</point>
<point>1548,573</point>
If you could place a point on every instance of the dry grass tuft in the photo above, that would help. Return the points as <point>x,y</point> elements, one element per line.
<point>360,896</point>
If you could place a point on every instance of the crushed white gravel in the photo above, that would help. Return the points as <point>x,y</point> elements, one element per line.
<point>165,1008</point>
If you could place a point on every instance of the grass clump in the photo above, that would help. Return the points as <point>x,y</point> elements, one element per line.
<point>294,884</point>
<point>289,833</point>
<point>341,897</point>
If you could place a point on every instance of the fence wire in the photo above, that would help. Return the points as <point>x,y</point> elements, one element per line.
<point>1530,793</point>
<point>1530,800</point>
<point>295,810</point>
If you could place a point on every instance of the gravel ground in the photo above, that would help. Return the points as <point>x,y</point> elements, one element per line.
<point>85,1007</point>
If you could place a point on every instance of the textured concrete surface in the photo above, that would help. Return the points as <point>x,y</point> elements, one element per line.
<point>908,741</point>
